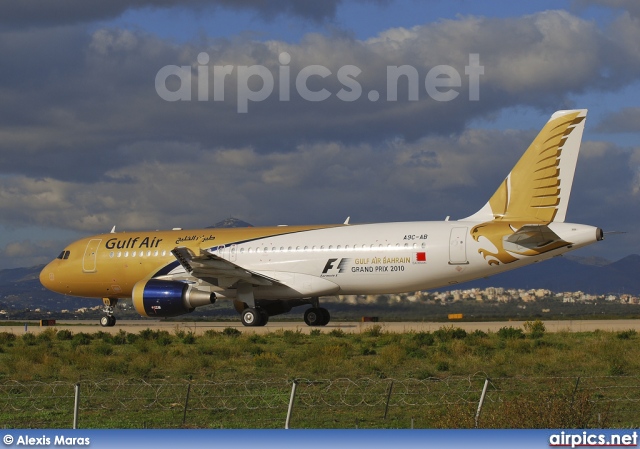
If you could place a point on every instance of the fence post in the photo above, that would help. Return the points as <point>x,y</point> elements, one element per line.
<point>484,392</point>
<point>76,404</point>
<point>386,406</point>
<point>186,404</point>
<point>575,390</point>
<point>291,399</point>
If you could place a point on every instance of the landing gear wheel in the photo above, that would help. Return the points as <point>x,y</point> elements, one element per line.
<point>316,316</point>
<point>251,317</point>
<point>264,317</point>
<point>108,321</point>
<point>326,316</point>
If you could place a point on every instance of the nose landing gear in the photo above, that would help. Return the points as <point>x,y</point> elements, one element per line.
<point>108,320</point>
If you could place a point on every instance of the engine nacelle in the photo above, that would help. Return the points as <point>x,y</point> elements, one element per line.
<point>160,298</point>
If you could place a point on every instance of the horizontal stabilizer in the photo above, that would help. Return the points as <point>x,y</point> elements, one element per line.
<point>532,238</point>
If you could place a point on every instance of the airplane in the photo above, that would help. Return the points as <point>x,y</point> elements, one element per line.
<point>266,271</point>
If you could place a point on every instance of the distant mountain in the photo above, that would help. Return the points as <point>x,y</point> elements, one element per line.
<point>20,274</point>
<point>591,260</point>
<point>231,223</point>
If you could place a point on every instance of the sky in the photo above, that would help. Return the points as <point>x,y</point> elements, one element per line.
<point>154,114</point>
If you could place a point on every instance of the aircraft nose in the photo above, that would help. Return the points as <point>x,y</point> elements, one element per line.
<point>47,277</point>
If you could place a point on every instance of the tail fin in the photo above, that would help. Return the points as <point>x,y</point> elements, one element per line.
<point>537,189</point>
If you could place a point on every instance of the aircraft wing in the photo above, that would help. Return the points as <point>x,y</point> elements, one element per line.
<point>216,270</point>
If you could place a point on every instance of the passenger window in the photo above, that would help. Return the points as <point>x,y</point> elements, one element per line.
<point>164,252</point>
<point>424,245</point>
<point>126,254</point>
<point>119,253</point>
<point>155,253</point>
<point>266,249</point>
<point>289,249</point>
<point>322,248</point>
<point>111,255</point>
<point>306,248</point>
<point>338,247</point>
<point>250,250</point>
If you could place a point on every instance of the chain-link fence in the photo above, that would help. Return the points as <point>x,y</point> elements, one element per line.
<point>520,402</point>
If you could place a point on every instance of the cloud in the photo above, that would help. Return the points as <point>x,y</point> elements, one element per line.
<point>29,253</point>
<point>626,120</point>
<point>317,182</point>
<point>86,101</point>
<point>70,12</point>
<point>86,142</point>
<point>632,6</point>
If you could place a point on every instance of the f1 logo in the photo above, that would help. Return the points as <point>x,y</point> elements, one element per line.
<point>331,265</point>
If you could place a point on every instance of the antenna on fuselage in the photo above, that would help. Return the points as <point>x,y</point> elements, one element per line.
<point>113,230</point>
<point>347,220</point>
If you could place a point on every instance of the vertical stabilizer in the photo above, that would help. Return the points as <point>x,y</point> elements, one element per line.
<point>537,189</point>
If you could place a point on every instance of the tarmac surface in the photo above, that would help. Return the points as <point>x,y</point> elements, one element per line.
<point>198,328</point>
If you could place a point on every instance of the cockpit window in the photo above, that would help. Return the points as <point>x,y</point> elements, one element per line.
<point>64,255</point>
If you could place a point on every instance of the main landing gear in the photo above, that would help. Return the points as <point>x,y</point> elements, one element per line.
<point>108,320</point>
<point>254,316</point>
<point>317,316</point>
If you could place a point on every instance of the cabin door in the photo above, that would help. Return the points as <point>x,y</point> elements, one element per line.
<point>458,246</point>
<point>90,256</point>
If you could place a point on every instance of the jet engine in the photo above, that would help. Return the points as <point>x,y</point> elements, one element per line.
<point>160,298</point>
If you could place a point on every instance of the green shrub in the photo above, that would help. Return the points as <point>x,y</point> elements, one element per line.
<point>189,338</point>
<point>626,335</point>
<point>231,332</point>
<point>510,333</point>
<point>442,365</point>
<point>257,339</point>
<point>424,338</point>
<point>103,348</point>
<point>374,331</point>
<point>293,338</point>
<point>446,333</point>
<point>29,339</point>
<point>81,338</point>
<point>536,329</point>
<point>337,333</point>
<point>7,337</point>
<point>64,334</point>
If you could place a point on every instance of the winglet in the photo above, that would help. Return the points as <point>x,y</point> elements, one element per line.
<point>537,189</point>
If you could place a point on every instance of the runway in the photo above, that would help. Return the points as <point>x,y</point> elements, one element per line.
<point>198,328</point>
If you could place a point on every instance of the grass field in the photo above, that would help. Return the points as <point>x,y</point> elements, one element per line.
<point>374,379</point>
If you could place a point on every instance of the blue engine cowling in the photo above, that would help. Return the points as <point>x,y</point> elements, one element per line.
<point>160,298</point>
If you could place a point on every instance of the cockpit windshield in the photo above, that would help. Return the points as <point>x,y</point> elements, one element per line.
<point>64,255</point>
